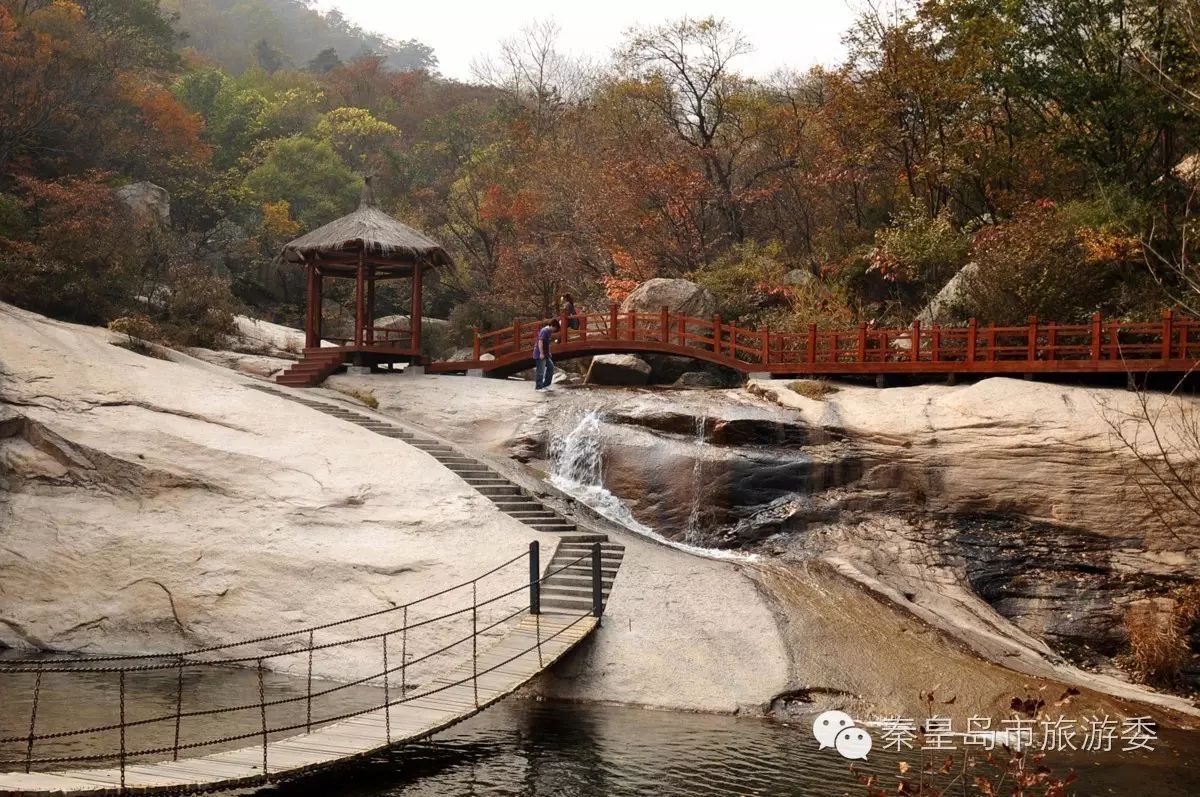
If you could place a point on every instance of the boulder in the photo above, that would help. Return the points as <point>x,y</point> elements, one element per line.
<point>678,295</point>
<point>699,379</point>
<point>939,309</point>
<point>149,202</point>
<point>618,369</point>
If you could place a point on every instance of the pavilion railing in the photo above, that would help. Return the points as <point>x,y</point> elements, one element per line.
<point>914,348</point>
<point>394,644</point>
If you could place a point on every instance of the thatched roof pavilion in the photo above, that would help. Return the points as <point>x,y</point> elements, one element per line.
<point>367,245</point>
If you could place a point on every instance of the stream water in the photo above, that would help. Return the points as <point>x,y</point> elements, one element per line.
<point>526,748</point>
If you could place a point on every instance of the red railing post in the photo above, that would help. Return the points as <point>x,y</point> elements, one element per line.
<point>862,343</point>
<point>1031,343</point>
<point>612,322</point>
<point>666,324</point>
<point>766,346</point>
<point>1052,341</point>
<point>935,344</point>
<point>475,353</point>
<point>1114,340</point>
<point>1167,323</point>
<point>972,334</point>
<point>1097,335</point>
<point>717,333</point>
<point>991,342</point>
<point>915,353</point>
<point>517,335</point>
<point>812,343</point>
<point>631,320</point>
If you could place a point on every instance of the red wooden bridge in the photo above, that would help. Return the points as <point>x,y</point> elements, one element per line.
<point>1171,345</point>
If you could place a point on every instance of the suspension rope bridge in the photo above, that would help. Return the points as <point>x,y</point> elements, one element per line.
<point>262,751</point>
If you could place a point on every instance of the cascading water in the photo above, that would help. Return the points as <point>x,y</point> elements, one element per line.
<point>577,468</point>
<point>577,458</point>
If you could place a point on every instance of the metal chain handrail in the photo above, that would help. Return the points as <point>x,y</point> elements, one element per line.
<point>536,579</point>
<point>296,726</point>
<point>4,666</point>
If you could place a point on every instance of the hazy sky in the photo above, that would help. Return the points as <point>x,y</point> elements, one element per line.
<point>793,33</point>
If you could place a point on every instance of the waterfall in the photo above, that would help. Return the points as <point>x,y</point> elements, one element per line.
<point>577,468</point>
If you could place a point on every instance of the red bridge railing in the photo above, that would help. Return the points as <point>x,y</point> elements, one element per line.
<point>1172,343</point>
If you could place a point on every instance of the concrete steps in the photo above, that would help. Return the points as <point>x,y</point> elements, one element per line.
<point>568,585</point>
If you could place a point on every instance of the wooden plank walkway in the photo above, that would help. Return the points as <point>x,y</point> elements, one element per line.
<point>448,700</point>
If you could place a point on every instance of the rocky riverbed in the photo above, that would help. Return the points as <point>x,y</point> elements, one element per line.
<point>870,544</point>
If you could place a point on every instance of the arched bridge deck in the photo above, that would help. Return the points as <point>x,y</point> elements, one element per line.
<point>1171,345</point>
<point>534,641</point>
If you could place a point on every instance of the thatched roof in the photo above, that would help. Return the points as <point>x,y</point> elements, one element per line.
<point>371,230</point>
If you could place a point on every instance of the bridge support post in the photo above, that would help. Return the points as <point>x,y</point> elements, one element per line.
<point>535,578</point>
<point>597,582</point>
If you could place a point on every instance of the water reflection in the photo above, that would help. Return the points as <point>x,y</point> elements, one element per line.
<point>523,748</point>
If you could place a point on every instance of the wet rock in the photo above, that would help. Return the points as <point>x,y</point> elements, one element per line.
<point>618,369</point>
<point>699,379</point>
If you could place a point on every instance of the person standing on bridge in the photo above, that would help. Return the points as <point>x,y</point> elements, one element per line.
<point>543,364</point>
<point>569,311</point>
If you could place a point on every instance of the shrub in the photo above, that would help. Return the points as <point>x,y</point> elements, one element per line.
<point>746,281</point>
<point>198,309</point>
<point>920,250</point>
<point>1040,263</point>
<point>815,389</point>
<point>1159,636</point>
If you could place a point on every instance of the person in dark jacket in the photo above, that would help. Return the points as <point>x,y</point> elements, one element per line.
<point>569,311</point>
<point>542,361</point>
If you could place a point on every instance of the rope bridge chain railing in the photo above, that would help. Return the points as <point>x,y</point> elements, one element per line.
<point>302,643</point>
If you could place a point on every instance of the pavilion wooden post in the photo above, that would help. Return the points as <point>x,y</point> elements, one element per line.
<point>311,339</point>
<point>414,316</point>
<point>359,301</point>
<point>370,321</point>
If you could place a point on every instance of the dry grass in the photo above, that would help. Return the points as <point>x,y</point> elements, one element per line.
<point>364,396</point>
<point>1159,636</point>
<point>815,389</point>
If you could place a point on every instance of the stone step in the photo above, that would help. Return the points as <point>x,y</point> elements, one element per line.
<point>607,551</point>
<point>607,569</point>
<point>481,481</point>
<point>584,537</point>
<point>499,490</point>
<point>576,605</point>
<point>578,582</point>
<point>550,528</point>
<point>534,514</point>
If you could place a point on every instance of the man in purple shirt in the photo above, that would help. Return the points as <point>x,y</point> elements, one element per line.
<point>543,365</point>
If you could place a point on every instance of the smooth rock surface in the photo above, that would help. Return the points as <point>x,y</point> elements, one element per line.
<point>147,201</point>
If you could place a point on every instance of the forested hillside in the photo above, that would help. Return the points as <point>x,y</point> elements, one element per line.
<point>285,34</point>
<point>1049,143</point>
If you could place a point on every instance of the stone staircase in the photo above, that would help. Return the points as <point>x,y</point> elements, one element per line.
<point>568,591</point>
<point>313,368</point>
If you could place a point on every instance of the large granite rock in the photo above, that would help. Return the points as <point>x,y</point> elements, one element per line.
<point>940,309</point>
<point>150,504</point>
<point>618,369</point>
<point>149,202</point>
<point>678,295</point>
